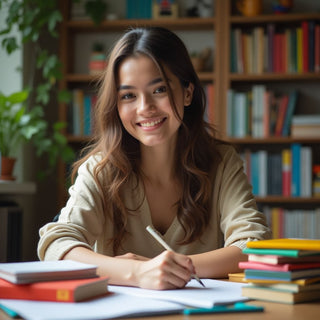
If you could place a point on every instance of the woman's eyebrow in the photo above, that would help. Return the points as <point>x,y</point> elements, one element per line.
<point>126,87</point>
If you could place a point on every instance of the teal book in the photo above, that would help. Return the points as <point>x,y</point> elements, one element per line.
<point>296,164</point>
<point>290,111</point>
<point>281,275</point>
<point>281,252</point>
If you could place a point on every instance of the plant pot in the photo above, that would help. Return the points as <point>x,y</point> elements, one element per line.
<point>7,166</point>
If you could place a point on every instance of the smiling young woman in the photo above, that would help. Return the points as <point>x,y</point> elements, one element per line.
<point>155,161</point>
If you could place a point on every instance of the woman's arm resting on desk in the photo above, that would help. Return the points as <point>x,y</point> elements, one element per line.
<point>218,263</point>
<point>166,271</point>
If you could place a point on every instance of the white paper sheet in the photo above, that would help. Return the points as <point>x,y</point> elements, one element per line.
<point>108,307</point>
<point>194,295</point>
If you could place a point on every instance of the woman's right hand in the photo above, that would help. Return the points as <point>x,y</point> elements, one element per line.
<point>169,270</point>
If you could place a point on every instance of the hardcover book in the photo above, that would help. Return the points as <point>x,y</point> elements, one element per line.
<point>286,243</point>
<point>60,291</point>
<point>268,294</point>
<point>34,271</point>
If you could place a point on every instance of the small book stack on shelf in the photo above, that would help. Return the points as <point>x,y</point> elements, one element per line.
<point>61,281</point>
<point>282,270</point>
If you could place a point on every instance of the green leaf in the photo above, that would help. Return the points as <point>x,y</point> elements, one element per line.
<point>54,18</point>
<point>43,93</point>
<point>18,97</point>
<point>10,44</point>
<point>64,96</point>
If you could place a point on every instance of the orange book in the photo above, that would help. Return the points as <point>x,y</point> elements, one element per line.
<point>61,291</point>
<point>282,114</point>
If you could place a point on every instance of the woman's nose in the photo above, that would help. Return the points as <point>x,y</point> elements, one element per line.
<point>146,104</point>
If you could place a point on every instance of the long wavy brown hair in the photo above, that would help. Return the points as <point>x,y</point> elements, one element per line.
<point>196,152</point>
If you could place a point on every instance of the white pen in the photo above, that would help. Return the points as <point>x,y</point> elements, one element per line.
<point>156,235</point>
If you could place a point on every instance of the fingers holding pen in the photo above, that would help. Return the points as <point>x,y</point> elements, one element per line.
<point>168,270</point>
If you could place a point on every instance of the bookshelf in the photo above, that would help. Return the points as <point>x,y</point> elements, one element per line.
<point>217,29</point>
<point>281,81</point>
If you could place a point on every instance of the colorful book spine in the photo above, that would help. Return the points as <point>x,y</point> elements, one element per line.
<point>286,172</point>
<point>296,164</point>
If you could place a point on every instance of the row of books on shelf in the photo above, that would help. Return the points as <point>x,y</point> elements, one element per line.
<point>293,223</point>
<point>260,112</point>
<point>134,9</point>
<point>282,270</point>
<point>286,173</point>
<point>275,49</point>
<point>80,113</point>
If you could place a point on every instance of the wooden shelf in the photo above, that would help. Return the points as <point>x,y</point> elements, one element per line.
<point>274,77</point>
<point>287,200</point>
<point>120,25</point>
<point>273,140</point>
<point>269,18</point>
<point>87,78</point>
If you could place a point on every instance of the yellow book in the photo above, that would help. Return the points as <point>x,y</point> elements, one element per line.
<point>286,243</point>
<point>275,225</point>
<point>237,277</point>
<point>300,282</point>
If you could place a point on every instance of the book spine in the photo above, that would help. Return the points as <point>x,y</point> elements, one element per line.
<point>299,50</point>
<point>296,163</point>
<point>317,48</point>
<point>305,46</point>
<point>286,172</point>
<point>25,292</point>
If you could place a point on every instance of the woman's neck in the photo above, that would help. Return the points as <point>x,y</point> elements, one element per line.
<point>158,163</point>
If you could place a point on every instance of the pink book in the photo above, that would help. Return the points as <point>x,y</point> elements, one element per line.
<point>278,267</point>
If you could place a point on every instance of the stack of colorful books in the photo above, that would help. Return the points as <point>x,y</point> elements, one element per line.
<point>282,270</point>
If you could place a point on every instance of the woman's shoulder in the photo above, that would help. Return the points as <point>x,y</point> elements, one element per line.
<point>90,163</point>
<point>225,149</point>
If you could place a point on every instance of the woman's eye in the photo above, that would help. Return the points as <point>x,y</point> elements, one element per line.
<point>126,96</point>
<point>161,89</point>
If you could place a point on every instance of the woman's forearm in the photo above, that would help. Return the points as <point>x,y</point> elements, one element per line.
<point>119,270</point>
<point>168,270</point>
<point>218,263</point>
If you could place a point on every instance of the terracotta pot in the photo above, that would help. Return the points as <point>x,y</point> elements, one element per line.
<point>7,165</point>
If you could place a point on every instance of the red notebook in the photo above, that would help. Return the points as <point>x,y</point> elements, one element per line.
<point>61,291</point>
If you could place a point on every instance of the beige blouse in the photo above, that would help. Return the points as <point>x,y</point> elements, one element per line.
<point>234,217</point>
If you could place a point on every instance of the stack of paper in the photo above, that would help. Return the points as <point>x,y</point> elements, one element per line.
<point>282,270</point>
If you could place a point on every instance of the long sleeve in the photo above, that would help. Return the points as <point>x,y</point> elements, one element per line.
<point>240,218</point>
<point>81,221</point>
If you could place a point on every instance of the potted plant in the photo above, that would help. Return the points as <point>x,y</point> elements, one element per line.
<point>18,126</point>
<point>23,113</point>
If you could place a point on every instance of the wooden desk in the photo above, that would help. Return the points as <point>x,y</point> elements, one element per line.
<point>272,311</point>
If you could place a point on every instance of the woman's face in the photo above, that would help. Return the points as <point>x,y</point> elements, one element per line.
<point>143,101</point>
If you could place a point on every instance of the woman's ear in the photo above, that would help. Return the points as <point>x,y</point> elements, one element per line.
<point>188,94</point>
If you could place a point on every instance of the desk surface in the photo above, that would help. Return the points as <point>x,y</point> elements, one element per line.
<point>272,311</point>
